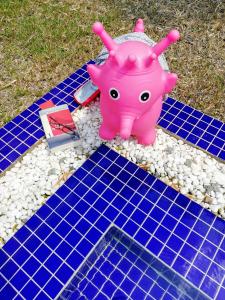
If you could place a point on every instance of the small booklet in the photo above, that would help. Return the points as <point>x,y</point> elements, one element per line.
<point>59,127</point>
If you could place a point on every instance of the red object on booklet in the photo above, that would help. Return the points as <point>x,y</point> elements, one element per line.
<point>59,127</point>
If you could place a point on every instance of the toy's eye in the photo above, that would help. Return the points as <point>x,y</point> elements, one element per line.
<point>145,96</point>
<point>114,93</point>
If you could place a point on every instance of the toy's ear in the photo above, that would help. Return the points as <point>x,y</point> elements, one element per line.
<point>94,72</point>
<point>171,79</point>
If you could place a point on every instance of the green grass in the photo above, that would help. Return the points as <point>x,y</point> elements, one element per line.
<point>42,42</point>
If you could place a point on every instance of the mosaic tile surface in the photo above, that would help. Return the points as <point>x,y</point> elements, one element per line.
<point>120,269</point>
<point>43,255</point>
<point>17,136</point>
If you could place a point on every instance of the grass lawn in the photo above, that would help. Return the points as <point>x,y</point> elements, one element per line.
<point>43,41</point>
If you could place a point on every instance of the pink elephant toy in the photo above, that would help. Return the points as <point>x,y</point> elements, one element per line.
<point>132,85</point>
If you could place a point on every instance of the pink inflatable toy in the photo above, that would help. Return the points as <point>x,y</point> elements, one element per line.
<point>132,85</point>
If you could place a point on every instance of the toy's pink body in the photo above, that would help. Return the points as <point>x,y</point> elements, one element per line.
<point>132,85</point>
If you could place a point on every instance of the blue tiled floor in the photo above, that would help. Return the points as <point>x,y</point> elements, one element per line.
<point>58,238</point>
<point>120,269</point>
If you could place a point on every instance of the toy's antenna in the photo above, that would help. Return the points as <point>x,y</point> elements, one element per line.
<point>171,38</point>
<point>104,36</point>
<point>139,26</point>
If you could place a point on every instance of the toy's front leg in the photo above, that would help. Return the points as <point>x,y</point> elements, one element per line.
<point>105,132</point>
<point>148,137</point>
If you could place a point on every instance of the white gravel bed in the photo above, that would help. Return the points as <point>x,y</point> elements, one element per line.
<point>27,185</point>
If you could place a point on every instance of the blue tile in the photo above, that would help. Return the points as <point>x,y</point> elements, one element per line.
<point>176,211</point>
<point>9,269</point>
<point>64,273</point>
<point>7,137</point>
<point>43,231</point>
<point>167,255</point>
<point>73,238</point>
<point>197,114</point>
<point>170,193</point>
<point>207,216</point>
<point>93,235</point>
<point>5,150</point>
<point>162,234</point>
<point>142,236</point>
<point>195,276</point>
<point>138,216</point>
<point>169,100</point>
<point>42,276</point>
<point>83,226</point>
<point>157,214</point>
<point>13,156</point>
<point>53,287</point>
<point>74,260</point>
<point>216,123</point>
<point>221,294</point>
<point>21,256</point>
<point>31,266</point>
<point>163,123</point>
<point>181,266</point>
<point>178,122</point>
<point>19,280</point>
<point>214,236</point>
<point>154,246</point>
<point>173,128</point>
<point>216,273</point>
<point>120,220</point>
<point>188,219</point>
<point>220,258</point>
<point>209,250</point>
<point>144,188</point>
<point>207,119</point>
<point>188,252</point>
<point>150,225</point>
<point>53,240</point>
<point>152,195</point>
<point>145,283</point>
<point>196,131</point>
<point>38,134</point>
<point>222,155</point>
<point>192,138</point>
<point>7,292</point>
<point>194,239</point>
<point>159,186</point>
<point>169,117</point>
<point>42,253</point>
<point>53,263</point>
<point>33,222</point>
<point>63,229</point>
<point>218,142</point>
<point>130,227</point>
<point>219,224</point>
<point>174,111</point>
<point>18,119</point>
<point>182,231</point>
<point>209,287</point>
<point>156,291</point>
<point>11,246</point>
<point>169,222</point>
<point>128,209</point>
<point>22,234</point>
<point>202,125</point>
<point>213,149</point>
<point>111,213</point>
<point>201,228</point>
<point>5,164</point>
<point>175,243</point>
<point>2,281</point>
<point>145,206</point>
<point>192,120</point>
